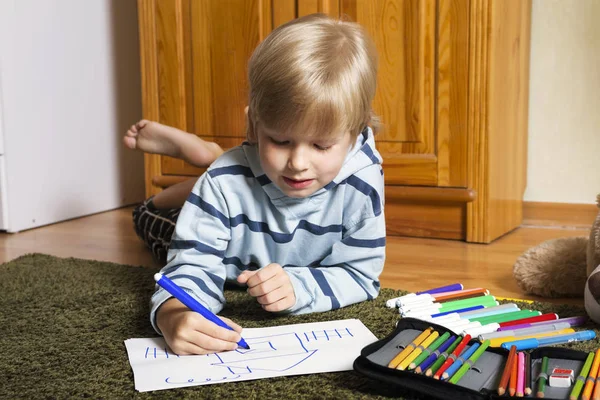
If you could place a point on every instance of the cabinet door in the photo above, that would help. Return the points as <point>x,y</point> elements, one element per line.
<point>202,49</point>
<point>405,35</point>
<point>423,71</point>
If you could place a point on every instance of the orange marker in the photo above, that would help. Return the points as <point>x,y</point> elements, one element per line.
<point>589,383</point>
<point>460,294</point>
<point>596,394</point>
<point>507,371</point>
<point>512,384</point>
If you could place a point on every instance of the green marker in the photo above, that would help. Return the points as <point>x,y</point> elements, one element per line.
<point>469,363</point>
<point>542,378</point>
<point>582,377</point>
<point>487,301</point>
<point>510,316</point>
<point>429,350</point>
<point>443,357</point>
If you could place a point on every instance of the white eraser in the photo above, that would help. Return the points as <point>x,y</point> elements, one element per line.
<point>561,377</point>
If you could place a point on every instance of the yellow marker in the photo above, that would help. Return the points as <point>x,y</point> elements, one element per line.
<point>511,299</point>
<point>415,353</point>
<point>497,342</point>
<point>408,349</point>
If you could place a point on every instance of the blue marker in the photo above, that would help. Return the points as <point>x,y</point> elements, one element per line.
<point>434,356</point>
<point>526,344</point>
<point>192,304</point>
<point>459,361</point>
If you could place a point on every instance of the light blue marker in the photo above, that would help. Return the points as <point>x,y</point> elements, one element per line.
<point>193,304</point>
<point>486,312</point>
<point>526,344</point>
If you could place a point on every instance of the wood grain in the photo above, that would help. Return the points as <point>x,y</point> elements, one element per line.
<point>562,215</point>
<point>404,33</point>
<point>284,11</point>
<point>508,88</point>
<point>498,98</point>
<point>476,132</point>
<point>306,7</point>
<point>452,86</point>
<point>171,63</point>
<point>201,27</point>
<point>149,76</point>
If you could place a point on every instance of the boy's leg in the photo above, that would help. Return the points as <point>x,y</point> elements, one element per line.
<point>174,196</point>
<point>156,138</point>
<point>155,227</point>
<point>154,220</point>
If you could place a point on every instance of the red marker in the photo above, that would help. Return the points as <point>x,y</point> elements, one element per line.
<point>538,318</point>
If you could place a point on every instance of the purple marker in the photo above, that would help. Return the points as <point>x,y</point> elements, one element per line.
<point>574,321</point>
<point>434,356</point>
<point>442,289</point>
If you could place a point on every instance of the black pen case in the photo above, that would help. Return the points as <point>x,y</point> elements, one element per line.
<point>479,383</point>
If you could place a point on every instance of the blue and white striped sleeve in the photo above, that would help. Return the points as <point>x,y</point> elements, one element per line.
<point>350,272</point>
<point>195,258</point>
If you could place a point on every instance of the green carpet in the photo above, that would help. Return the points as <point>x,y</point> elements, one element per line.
<point>63,323</point>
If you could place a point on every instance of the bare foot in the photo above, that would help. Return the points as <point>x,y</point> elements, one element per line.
<point>153,137</point>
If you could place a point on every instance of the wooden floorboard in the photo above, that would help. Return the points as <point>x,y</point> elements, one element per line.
<point>412,263</point>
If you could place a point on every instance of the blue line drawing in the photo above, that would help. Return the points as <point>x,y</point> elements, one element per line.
<point>153,353</point>
<point>272,353</point>
<point>286,350</point>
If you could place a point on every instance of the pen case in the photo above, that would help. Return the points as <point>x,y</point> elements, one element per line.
<point>480,382</point>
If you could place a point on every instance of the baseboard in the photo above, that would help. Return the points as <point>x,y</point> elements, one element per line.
<point>565,215</point>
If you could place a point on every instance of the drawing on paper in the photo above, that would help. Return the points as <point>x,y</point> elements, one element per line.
<point>276,351</point>
<point>268,353</point>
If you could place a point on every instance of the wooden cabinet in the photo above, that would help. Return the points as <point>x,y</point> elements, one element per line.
<point>452,94</point>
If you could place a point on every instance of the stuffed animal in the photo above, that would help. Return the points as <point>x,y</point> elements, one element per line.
<point>561,267</point>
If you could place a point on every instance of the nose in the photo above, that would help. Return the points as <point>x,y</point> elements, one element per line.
<point>298,159</point>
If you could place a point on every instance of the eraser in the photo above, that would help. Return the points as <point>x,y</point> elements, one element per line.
<point>561,377</point>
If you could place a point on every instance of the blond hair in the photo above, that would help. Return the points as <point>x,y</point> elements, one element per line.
<point>314,75</point>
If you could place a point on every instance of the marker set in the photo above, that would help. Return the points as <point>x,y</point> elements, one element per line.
<point>461,343</point>
<point>478,368</point>
<point>476,313</point>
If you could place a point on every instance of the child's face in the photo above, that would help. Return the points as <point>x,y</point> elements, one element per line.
<point>301,166</point>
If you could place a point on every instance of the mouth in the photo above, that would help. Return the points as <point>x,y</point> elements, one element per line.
<point>297,184</point>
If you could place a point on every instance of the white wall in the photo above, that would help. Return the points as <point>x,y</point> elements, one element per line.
<point>69,88</point>
<point>564,108</point>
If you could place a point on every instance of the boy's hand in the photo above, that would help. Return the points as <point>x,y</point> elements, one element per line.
<point>187,332</point>
<point>271,286</point>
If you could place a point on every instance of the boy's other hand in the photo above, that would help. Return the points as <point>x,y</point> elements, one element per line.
<point>271,286</point>
<point>187,332</point>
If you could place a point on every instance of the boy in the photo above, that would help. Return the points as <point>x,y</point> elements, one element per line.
<point>296,213</point>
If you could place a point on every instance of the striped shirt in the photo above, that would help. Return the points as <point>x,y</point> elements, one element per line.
<point>331,243</point>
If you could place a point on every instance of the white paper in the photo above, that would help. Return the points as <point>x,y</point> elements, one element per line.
<point>276,351</point>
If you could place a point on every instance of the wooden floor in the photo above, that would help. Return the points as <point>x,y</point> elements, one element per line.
<point>412,263</point>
